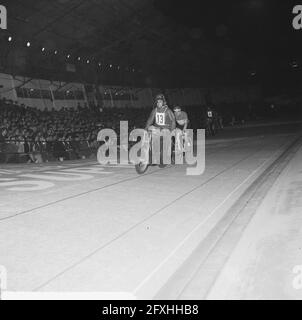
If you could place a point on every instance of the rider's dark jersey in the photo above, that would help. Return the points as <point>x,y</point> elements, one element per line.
<point>181,120</point>
<point>210,113</point>
<point>162,118</point>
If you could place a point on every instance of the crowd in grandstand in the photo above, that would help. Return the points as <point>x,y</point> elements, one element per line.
<point>30,130</point>
<point>72,132</point>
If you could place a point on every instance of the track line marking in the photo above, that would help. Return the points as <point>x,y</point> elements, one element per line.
<point>140,222</point>
<point>172,253</point>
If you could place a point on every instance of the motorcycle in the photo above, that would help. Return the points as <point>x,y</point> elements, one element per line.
<point>143,165</point>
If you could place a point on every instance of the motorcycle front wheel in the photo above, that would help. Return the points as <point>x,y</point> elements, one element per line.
<point>141,167</point>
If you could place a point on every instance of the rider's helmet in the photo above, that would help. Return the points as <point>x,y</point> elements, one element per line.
<point>160,96</point>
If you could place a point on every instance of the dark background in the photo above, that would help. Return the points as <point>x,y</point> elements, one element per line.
<point>159,43</point>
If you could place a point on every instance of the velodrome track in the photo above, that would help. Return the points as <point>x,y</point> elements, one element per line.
<point>82,227</point>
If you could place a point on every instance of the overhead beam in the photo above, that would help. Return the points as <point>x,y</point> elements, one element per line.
<point>61,16</point>
<point>23,83</point>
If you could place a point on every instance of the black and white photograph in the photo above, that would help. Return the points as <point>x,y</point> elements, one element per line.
<point>150,150</point>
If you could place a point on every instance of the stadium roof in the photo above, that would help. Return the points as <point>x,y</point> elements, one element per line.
<point>199,41</point>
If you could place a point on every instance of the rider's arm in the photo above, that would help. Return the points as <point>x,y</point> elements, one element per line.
<point>150,119</point>
<point>186,122</point>
<point>185,125</point>
<point>171,115</point>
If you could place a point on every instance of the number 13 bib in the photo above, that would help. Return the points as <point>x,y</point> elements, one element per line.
<point>160,118</point>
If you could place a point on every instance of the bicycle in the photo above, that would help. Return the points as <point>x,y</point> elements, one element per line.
<point>211,129</point>
<point>184,142</point>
